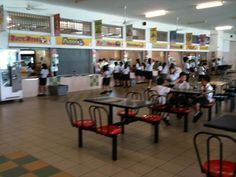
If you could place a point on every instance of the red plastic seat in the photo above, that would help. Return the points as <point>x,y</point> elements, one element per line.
<point>211,158</point>
<point>109,130</point>
<point>75,114</point>
<point>228,168</point>
<point>151,118</point>
<point>85,123</point>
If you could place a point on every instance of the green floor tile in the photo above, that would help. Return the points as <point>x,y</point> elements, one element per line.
<point>3,159</point>
<point>15,172</point>
<point>46,171</point>
<point>25,160</point>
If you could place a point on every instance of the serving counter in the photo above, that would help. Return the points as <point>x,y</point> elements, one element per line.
<point>74,82</point>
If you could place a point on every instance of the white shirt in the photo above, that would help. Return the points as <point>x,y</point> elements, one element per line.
<point>107,74</point>
<point>44,73</point>
<point>201,70</point>
<point>183,85</point>
<point>186,67</point>
<point>116,69</point>
<point>208,88</point>
<point>138,66</point>
<point>149,67</point>
<point>165,70</point>
<point>126,71</point>
<point>162,91</point>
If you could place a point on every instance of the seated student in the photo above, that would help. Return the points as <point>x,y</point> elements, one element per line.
<point>174,73</point>
<point>163,91</point>
<point>181,82</point>
<point>205,98</point>
<point>181,100</point>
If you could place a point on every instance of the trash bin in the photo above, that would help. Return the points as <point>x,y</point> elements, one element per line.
<point>58,90</point>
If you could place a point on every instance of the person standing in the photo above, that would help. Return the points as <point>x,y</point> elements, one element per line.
<point>106,80</point>
<point>43,80</point>
<point>149,69</point>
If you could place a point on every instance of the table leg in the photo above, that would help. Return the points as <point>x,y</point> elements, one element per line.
<point>110,119</point>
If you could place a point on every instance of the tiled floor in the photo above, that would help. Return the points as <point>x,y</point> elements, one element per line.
<point>39,127</point>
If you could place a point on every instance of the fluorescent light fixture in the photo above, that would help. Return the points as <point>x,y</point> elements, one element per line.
<point>209,4</point>
<point>220,28</point>
<point>155,13</point>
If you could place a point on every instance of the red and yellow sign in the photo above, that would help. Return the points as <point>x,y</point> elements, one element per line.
<point>176,46</point>
<point>73,41</point>
<point>153,35</point>
<point>135,44</point>
<point>29,39</point>
<point>203,47</point>
<point>189,39</point>
<point>109,43</point>
<point>57,28</point>
<point>192,47</point>
<point>160,45</point>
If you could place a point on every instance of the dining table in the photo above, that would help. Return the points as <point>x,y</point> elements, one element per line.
<point>226,122</point>
<point>120,102</point>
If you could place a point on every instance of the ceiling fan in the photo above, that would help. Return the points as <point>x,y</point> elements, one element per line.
<point>28,6</point>
<point>125,21</point>
<point>177,25</point>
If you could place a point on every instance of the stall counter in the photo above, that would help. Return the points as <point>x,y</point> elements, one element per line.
<point>75,83</point>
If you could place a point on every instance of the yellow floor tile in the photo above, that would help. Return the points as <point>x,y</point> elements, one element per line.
<point>35,165</point>
<point>16,155</point>
<point>7,166</point>
<point>61,174</point>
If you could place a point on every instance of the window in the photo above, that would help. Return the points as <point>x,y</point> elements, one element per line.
<point>75,27</point>
<point>180,38</point>
<point>112,31</point>
<point>138,34</point>
<point>28,22</point>
<point>195,39</point>
<point>162,36</point>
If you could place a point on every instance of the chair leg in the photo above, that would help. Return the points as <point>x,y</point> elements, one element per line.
<point>209,114</point>
<point>156,132</point>
<point>80,137</point>
<point>122,125</point>
<point>185,122</point>
<point>114,147</point>
<point>232,104</point>
<point>217,107</point>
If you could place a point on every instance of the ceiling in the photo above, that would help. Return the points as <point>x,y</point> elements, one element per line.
<point>184,10</point>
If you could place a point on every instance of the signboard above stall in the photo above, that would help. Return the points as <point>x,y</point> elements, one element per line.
<point>73,41</point>
<point>135,44</point>
<point>109,43</point>
<point>29,39</point>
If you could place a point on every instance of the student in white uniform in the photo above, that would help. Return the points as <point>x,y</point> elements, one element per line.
<point>138,70</point>
<point>43,80</point>
<point>163,92</point>
<point>125,73</point>
<point>106,80</point>
<point>186,66</point>
<point>116,74</point>
<point>205,98</point>
<point>149,69</point>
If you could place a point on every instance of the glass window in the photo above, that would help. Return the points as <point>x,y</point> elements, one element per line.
<point>162,36</point>
<point>112,31</point>
<point>28,22</point>
<point>180,38</point>
<point>138,34</point>
<point>75,27</point>
<point>195,39</point>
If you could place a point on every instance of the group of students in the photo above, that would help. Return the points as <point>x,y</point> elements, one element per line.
<point>163,89</point>
<point>121,74</point>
